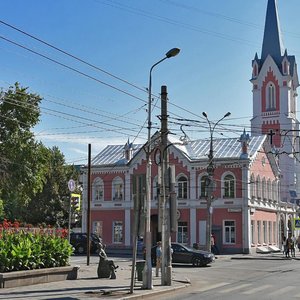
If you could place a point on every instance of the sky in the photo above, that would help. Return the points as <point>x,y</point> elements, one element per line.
<point>90,60</point>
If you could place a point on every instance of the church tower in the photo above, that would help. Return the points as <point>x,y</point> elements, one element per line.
<point>275,82</point>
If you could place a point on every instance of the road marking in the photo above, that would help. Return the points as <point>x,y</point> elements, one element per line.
<point>281,291</point>
<point>212,286</point>
<point>258,289</point>
<point>239,287</point>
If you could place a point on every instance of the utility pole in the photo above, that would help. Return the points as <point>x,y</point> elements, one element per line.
<point>166,265</point>
<point>147,279</point>
<point>210,184</point>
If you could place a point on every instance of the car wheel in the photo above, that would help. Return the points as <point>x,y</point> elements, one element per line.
<point>197,262</point>
<point>80,250</point>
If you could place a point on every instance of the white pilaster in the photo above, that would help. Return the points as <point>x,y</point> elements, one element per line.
<point>127,227</point>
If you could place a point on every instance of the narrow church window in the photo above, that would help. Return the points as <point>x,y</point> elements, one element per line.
<point>285,67</point>
<point>271,103</point>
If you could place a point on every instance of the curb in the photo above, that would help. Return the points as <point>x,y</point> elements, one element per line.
<point>265,258</point>
<point>155,292</point>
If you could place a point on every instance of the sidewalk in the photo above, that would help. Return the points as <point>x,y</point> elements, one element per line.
<point>268,256</point>
<point>88,286</point>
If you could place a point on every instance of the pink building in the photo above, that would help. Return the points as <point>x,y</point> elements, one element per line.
<point>256,191</point>
<point>246,207</point>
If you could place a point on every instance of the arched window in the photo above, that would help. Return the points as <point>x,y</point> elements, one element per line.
<point>252,187</point>
<point>182,188</point>
<point>263,188</point>
<point>269,189</point>
<point>274,191</point>
<point>258,188</point>
<point>271,97</point>
<point>98,189</point>
<point>203,186</point>
<point>117,189</point>
<point>155,188</point>
<point>229,186</point>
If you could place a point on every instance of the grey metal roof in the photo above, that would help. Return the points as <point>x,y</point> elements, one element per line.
<point>114,154</point>
<point>194,150</point>
<point>222,148</point>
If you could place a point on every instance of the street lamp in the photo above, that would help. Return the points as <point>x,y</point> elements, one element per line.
<point>147,283</point>
<point>210,179</point>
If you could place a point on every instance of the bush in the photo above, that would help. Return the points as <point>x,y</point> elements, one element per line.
<point>22,249</point>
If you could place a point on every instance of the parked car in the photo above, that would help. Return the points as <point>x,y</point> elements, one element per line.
<point>79,242</point>
<point>187,255</point>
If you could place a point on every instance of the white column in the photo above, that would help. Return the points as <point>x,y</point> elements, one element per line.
<point>193,226</point>
<point>193,184</point>
<point>246,226</point>
<point>127,187</point>
<point>127,227</point>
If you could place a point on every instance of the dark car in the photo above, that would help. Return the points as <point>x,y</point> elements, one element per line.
<point>186,255</point>
<point>79,242</point>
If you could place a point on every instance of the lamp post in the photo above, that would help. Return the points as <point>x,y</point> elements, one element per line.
<point>210,178</point>
<point>147,282</point>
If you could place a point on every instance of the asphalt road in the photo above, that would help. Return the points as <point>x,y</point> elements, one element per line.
<point>241,279</point>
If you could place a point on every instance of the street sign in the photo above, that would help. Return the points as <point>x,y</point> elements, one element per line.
<point>71,185</point>
<point>297,223</point>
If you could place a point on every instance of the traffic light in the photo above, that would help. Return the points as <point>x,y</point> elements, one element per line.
<point>75,202</point>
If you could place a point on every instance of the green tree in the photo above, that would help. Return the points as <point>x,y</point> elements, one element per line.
<point>51,205</point>
<point>23,159</point>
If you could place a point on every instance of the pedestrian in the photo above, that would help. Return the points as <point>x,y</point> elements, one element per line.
<point>158,258</point>
<point>283,245</point>
<point>212,244</point>
<point>288,245</point>
<point>298,242</point>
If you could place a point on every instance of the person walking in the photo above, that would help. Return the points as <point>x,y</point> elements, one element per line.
<point>158,258</point>
<point>289,243</point>
<point>284,245</point>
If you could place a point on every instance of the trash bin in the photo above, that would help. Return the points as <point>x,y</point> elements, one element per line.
<point>139,269</point>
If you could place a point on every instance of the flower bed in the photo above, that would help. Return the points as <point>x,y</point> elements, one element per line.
<point>33,256</point>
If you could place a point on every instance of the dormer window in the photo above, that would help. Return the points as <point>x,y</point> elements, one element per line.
<point>128,151</point>
<point>255,70</point>
<point>285,67</point>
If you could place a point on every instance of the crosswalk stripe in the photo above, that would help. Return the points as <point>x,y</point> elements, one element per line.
<point>258,289</point>
<point>212,286</point>
<point>238,287</point>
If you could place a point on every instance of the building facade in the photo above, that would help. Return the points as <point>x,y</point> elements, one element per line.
<point>275,81</point>
<point>254,176</point>
<point>247,212</point>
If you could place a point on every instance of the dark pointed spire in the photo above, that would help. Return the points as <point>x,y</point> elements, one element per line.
<point>272,43</point>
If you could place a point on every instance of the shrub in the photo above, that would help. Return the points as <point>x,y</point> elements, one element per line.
<point>25,249</point>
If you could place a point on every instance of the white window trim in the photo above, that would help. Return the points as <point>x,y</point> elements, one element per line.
<point>223,184</point>
<point>115,181</point>
<point>113,232</point>
<point>187,184</point>
<point>224,232</point>
<point>97,182</point>
<point>199,185</point>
